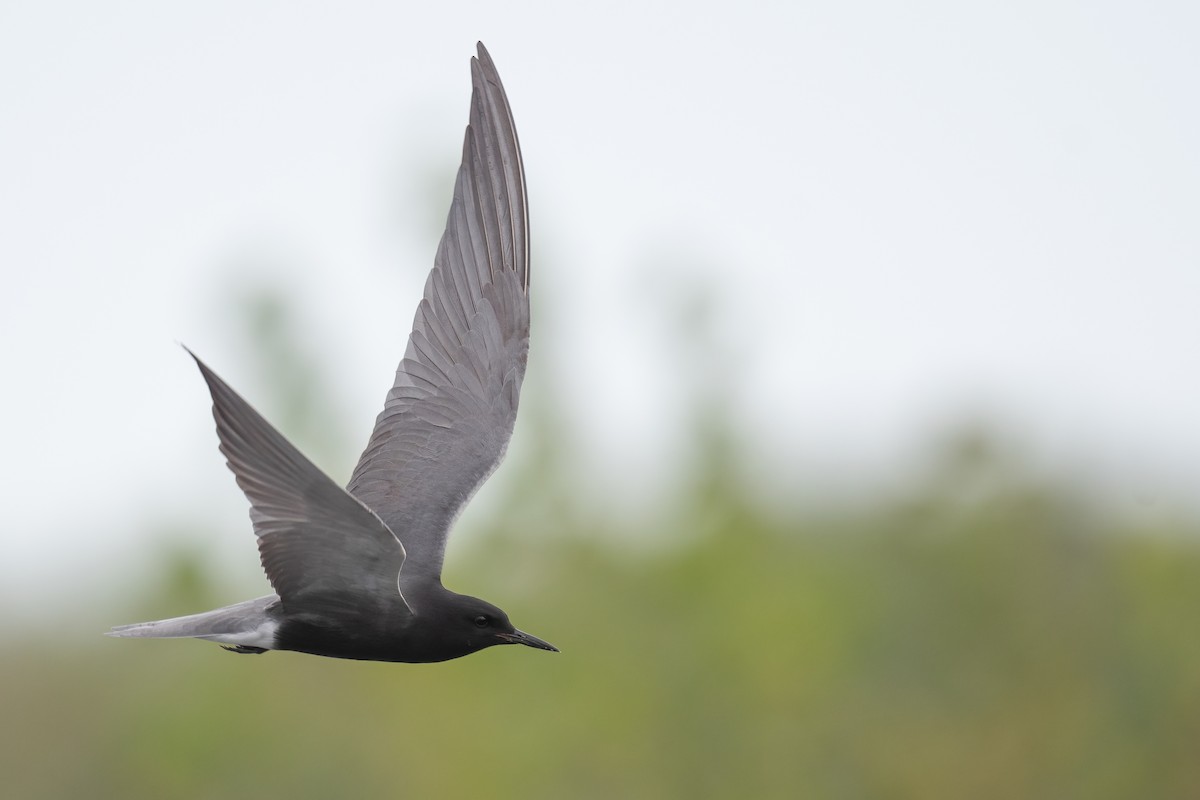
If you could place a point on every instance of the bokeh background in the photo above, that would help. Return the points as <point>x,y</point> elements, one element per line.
<point>858,455</point>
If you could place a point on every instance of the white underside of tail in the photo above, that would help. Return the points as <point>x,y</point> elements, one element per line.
<point>263,636</point>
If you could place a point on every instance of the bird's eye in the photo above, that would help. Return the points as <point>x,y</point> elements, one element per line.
<point>481,621</point>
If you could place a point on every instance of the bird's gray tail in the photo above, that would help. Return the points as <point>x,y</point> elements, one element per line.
<point>248,627</point>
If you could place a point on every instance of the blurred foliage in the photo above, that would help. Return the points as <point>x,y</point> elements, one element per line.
<point>986,636</point>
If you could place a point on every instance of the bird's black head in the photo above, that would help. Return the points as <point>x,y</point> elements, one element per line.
<point>473,624</point>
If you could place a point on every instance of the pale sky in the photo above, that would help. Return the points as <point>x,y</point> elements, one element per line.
<point>907,214</point>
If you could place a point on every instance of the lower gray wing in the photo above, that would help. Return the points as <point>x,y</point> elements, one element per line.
<point>314,538</point>
<point>449,415</point>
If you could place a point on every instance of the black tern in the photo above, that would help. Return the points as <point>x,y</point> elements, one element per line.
<point>357,571</point>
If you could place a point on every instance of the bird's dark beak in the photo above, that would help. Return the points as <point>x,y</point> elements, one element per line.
<point>520,637</point>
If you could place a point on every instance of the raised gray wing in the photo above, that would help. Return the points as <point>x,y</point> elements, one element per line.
<point>314,538</point>
<point>449,415</point>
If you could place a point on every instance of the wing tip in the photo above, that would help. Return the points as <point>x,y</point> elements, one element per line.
<point>483,55</point>
<point>204,368</point>
<point>483,68</point>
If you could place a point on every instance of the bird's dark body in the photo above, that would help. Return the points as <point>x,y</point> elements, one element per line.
<point>357,571</point>
<point>330,626</point>
<point>373,641</point>
<point>377,629</point>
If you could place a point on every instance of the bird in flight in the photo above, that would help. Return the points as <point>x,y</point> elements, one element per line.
<point>357,571</point>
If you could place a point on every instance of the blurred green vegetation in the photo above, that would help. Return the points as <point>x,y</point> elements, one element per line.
<point>988,635</point>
